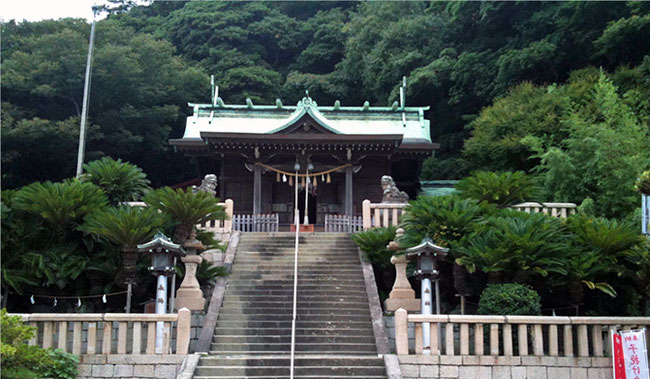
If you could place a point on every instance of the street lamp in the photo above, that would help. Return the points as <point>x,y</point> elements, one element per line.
<point>426,256</point>
<point>162,250</point>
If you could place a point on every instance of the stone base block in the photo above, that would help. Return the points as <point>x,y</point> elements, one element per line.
<point>190,298</point>
<point>392,305</point>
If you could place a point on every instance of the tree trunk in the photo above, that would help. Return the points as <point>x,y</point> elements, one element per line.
<point>129,267</point>
<point>461,280</point>
<point>182,233</point>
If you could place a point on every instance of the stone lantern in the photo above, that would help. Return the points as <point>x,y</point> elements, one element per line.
<point>162,250</point>
<point>426,256</point>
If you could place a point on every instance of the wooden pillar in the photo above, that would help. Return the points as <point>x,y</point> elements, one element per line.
<point>349,209</point>
<point>222,179</point>
<point>257,189</point>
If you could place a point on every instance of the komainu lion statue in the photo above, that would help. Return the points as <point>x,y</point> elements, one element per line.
<point>209,185</point>
<point>392,194</point>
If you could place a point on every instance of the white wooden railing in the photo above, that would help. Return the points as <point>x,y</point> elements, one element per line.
<point>215,226</point>
<point>134,331</point>
<point>513,335</point>
<point>377,215</point>
<point>343,224</point>
<point>381,215</point>
<point>562,210</point>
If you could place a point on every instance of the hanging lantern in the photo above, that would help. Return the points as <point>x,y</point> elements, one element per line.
<point>284,178</point>
<point>315,181</point>
<point>291,181</point>
<point>322,178</point>
<point>304,182</point>
<point>277,177</point>
<point>329,178</point>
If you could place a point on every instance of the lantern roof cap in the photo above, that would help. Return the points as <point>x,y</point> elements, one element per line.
<point>161,241</point>
<point>426,247</point>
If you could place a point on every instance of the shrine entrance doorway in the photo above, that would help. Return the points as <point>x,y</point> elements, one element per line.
<point>311,207</point>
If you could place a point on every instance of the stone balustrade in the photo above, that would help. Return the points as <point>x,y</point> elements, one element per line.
<point>121,333</point>
<point>381,215</point>
<point>377,215</point>
<point>562,210</point>
<point>513,335</point>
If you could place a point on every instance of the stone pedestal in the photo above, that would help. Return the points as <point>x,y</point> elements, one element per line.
<point>190,295</point>
<point>402,295</point>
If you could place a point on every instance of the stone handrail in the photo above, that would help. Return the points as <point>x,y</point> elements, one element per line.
<point>215,226</point>
<point>562,210</point>
<point>513,335</point>
<point>55,328</point>
<point>376,215</point>
<point>386,214</point>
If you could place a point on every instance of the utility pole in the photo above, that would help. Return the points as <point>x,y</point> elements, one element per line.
<point>84,109</point>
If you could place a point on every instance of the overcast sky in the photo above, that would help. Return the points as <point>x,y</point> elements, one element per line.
<point>35,10</point>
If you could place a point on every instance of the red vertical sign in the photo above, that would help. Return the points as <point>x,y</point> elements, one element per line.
<point>619,358</point>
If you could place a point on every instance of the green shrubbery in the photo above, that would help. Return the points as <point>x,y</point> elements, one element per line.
<point>20,360</point>
<point>509,299</point>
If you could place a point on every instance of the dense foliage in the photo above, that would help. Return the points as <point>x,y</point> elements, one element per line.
<point>509,299</point>
<point>20,360</point>
<point>458,57</point>
<point>65,239</point>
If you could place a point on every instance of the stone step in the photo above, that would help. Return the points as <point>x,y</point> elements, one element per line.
<point>271,339</point>
<point>337,298</point>
<point>289,276</point>
<point>323,331</point>
<point>316,261</point>
<point>257,311</point>
<point>300,347</point>
<point>282,360</point>
<point>330,290</point>
<point>285,323</point>
<point>322,318</point>
<point>232,304</point>
<point>315,370</point>
<point>305,281</point>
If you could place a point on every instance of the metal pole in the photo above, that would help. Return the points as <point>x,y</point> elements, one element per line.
<point>425,296</point>
<point>172,300</point>
<point>84,108</point>
<point>306,218</point>
<point>438,312</point>
<point>296,220</point>
<point>161,308</point>
<point>129,286</point>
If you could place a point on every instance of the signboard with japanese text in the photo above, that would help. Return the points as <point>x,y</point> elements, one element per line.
<point>630,355</point>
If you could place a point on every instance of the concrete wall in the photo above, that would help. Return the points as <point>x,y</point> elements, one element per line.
<point>129,366</point>
<point>498,367</point>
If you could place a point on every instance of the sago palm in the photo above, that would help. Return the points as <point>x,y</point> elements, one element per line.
<point>61,205</point>
<point>126,227</point>
<point>121,181</point>
<point>502,189</point>
<point>185,208</point>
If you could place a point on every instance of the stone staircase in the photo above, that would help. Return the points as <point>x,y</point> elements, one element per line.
<point>334,336</point>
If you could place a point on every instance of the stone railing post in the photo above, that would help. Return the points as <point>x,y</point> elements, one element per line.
<point>365,211</point>
<point>183,331</point>
<point>402,295</point>
<point>401,332</point>
<point>229,208</point>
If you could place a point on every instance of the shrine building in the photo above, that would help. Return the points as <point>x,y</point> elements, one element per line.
<point>253,150</point>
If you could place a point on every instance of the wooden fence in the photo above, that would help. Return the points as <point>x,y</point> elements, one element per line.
<point>256,223</point>
<point>54,328</point>
<point>343,224</point>
<point>377,215</point>
<point>513,335</point>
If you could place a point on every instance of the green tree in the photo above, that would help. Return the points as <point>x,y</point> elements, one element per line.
<point>186,208</point>
<point>501,189</point>
<point>126,227</point>
<point>121,181</point>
